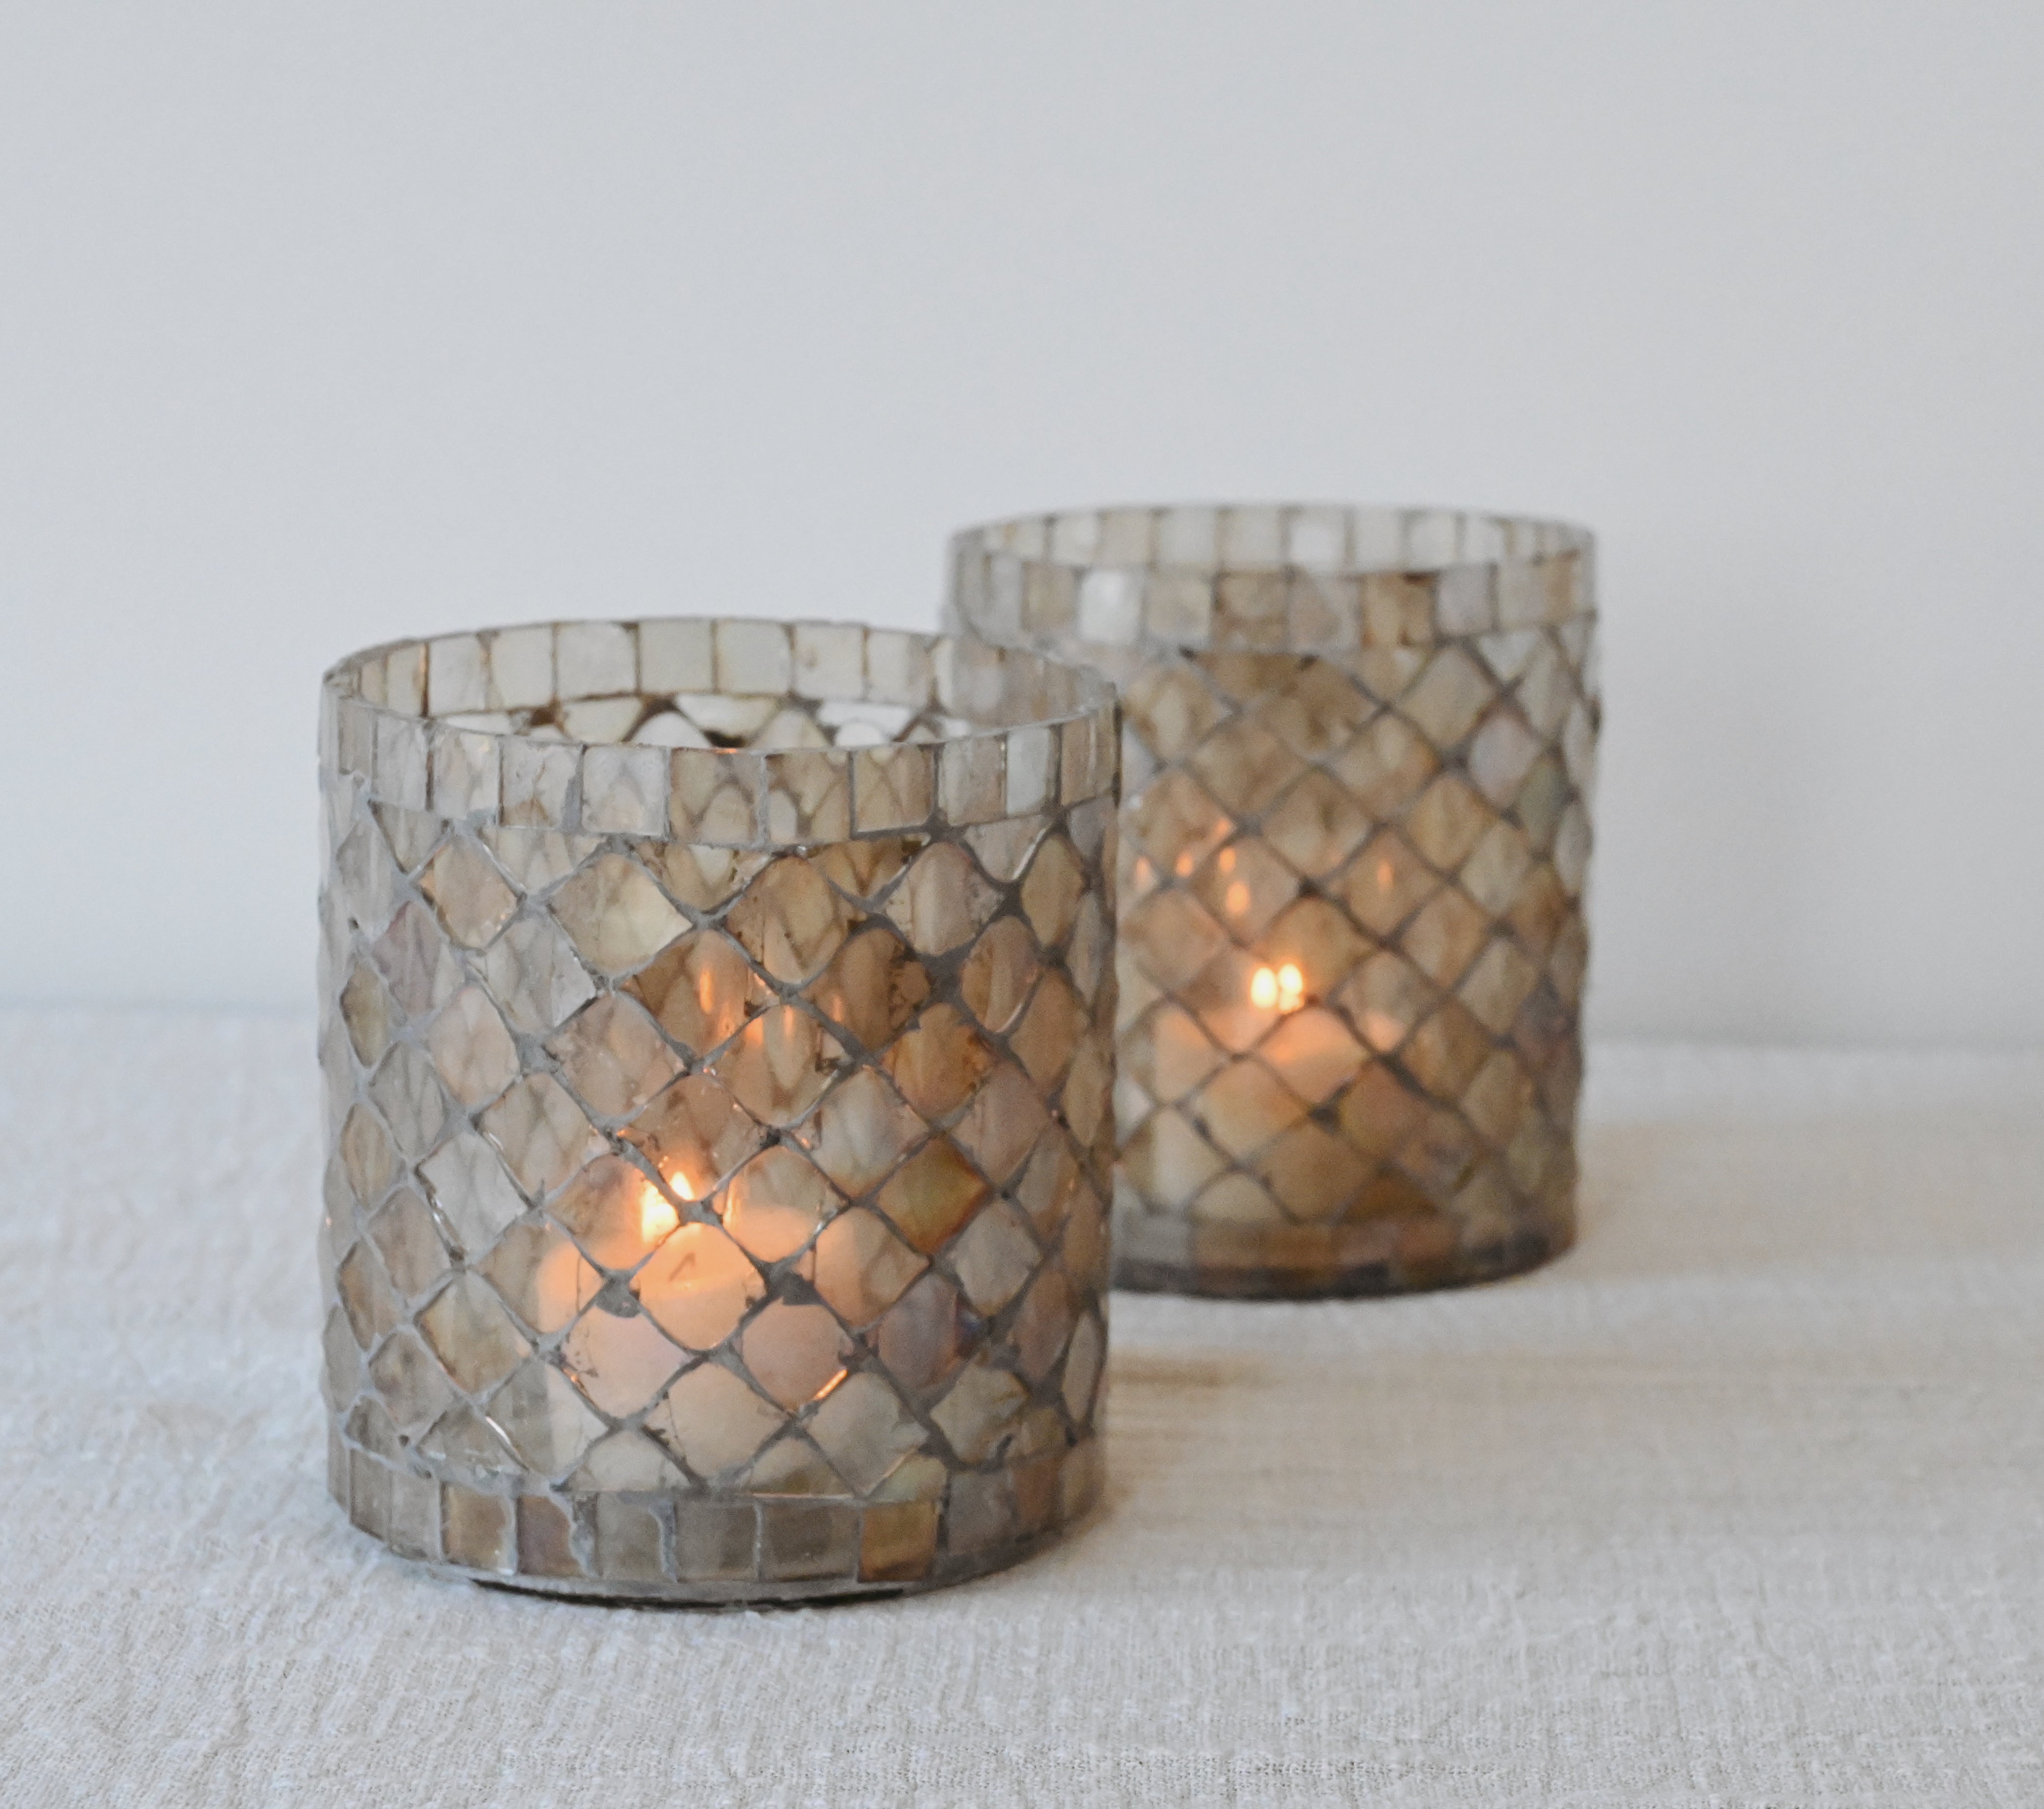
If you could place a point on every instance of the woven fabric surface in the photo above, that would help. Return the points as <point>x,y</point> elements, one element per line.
<point>1742,1501</point>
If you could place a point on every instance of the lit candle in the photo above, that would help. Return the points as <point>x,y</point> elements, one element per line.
<point>1281,989</point>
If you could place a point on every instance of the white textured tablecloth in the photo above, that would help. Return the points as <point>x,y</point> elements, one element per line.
<point>1743,1502</point>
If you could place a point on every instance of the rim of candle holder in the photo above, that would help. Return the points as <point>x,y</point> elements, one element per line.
<point>992,732</point>
<point>1288,578</point>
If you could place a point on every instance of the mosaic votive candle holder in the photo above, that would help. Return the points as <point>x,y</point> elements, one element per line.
<point>717,1027</point>
<point>1357,758</point>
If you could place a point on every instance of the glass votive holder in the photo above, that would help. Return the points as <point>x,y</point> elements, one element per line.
<point>716,1028</point>
<point>1357,754</point>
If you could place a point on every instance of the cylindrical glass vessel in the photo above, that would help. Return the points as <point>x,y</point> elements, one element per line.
<point>1357,750</point>
<point>716,1023</point>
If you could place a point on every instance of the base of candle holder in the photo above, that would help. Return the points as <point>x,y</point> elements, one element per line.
<point>739,1598</point>
<point>1158,1255</point>
<point>714,1551</point>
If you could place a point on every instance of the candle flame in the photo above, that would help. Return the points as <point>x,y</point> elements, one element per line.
<point>682,1185</point>
<point>657,1216</point>
<point>1283,990</point>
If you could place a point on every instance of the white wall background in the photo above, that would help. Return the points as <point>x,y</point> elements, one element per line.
<point>319,326</point>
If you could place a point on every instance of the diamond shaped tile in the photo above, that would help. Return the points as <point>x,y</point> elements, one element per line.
<point>932,1194</point>
<point>980,1407</point>
<point>938,1064</point>
<point>468,894</point>
<point>862,1266</point>
<point>1316,712</point>
<point>1083,1363</point>
<point>415,961</point>
<point>409,1382</point>
<point>1445,1052</point>
<point>473,1195</point>
<point>1244,767</point>
<point>1501,755</point>
<point>865,1430</point>
<point>1045,1324</point>
<point>695,1134</point>
<point>775,1203</point>
<point>365,1295</point>
<point>628,1461</point>
<point>414,1255</point>
<point>619,1361</point>
<point>992,1257</point>
<point>1318,940</point>
<point>700,987</point>
<point>1312,1053</point>
<point>1006,1117</point>
<point>533,973</point>
<point>861,1130</point>
<point>1169,1160</point>
<point>471,1334</point>
<point>872,987</point>
<point>790,921</point>
<point>794,1352</point>
<point>539,1271</point>
<point>1498,985</point>
<point>712,1420</point>
<point>1445,936</point>
<point>617,1215</point>
<point>471,1047</point>
<point>1243,1107</point>
<point>697,1286</point>
<point>367,876</point>
<point>1447,822</point>
<point>1048,1035</point>
<point>1172,936</point>
<point>779,1065</point>
<point>791,1466</point>
<point>1050,893</point>
<point>407,1092</point>
<point>370,1014</point>
<point>614,914</point>
<point>1386,883</point>
<point>612,1057</point>
<point>540,1132</point>
<point>1313,1172</point>
<point>1244,885</point>
<point>1171,708</point>
<point>367,1157</point>
<point>943,899</point>
<point>1317,825</point>
<point>924,1337</point>
<point>1386,766</point>
<point>1448,696</point>
<point>539,1413</point>
<point>1175,824</point>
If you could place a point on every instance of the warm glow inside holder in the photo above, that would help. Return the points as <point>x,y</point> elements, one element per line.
<point>717,1030</point>
<point>1357,749</point>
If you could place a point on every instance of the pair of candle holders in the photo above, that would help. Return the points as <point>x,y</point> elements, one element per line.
<point>725,1027</point>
